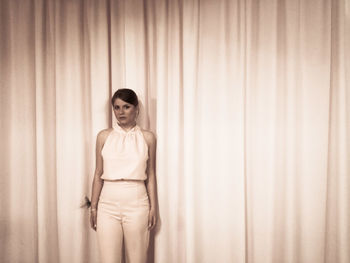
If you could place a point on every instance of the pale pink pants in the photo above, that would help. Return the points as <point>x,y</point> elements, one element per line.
<point>123,216</point>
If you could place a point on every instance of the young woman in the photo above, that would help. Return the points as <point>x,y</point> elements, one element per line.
<point>123,202</point>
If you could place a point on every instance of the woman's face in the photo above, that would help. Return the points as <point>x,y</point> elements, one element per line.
<point>124,112</point>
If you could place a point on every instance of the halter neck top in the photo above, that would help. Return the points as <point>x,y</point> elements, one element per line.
<point>125,154</point>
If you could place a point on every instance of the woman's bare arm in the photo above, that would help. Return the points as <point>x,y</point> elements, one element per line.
<point>98,182</point>
<point>151,182</point>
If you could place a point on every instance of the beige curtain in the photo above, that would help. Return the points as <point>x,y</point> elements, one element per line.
<point>250,101</point>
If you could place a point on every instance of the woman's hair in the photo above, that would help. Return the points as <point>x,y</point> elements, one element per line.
<point>126,95</point>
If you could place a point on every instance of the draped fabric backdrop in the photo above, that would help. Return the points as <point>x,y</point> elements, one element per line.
<point>250,101</point>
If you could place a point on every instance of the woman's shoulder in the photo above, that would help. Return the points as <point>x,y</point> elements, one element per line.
<point>149,136</point>
<point>102,135</point>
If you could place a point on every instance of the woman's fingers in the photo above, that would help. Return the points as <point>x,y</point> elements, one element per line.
<point>154,221</point>
<point>93,221</point>
<point>151,225</point>
<point>151,221</point>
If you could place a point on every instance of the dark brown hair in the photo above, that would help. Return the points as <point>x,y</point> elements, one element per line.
<point>127,95</point>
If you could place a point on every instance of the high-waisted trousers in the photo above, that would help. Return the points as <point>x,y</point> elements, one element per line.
<point>122,216</point>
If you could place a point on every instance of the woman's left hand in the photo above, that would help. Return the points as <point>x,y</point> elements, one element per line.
<point>152,219</point>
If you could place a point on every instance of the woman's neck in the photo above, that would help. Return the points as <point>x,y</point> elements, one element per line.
<point>128,126</point>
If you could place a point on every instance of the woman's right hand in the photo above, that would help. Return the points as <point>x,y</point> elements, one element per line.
<point>93,219</point>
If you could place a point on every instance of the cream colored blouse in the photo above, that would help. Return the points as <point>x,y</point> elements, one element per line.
<point>125,155</point>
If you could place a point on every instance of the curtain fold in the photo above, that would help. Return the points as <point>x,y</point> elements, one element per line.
<point>338,174</point>
<point>249,100</point>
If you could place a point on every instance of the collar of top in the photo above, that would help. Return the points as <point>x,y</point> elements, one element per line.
<point>118,128</point>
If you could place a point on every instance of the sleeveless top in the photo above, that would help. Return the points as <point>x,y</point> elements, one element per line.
<point>125,154</point>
